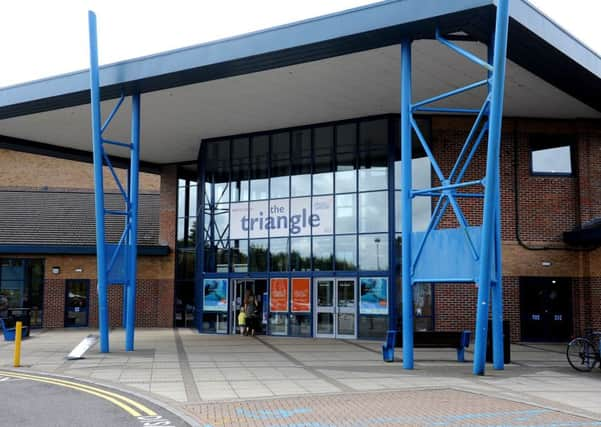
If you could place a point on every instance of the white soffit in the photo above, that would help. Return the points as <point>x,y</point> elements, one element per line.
<point>174,121</point>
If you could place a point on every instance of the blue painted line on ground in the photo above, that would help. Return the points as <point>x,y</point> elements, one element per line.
<point>277,414</point>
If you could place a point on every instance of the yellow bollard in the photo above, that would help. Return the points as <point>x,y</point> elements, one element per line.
<point>17,358</point>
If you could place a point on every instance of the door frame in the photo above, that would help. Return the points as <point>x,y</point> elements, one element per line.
<point>334,310</point>
<point>87,282</point>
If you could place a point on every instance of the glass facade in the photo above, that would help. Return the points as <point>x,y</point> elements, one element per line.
<point>318,201</point>
<point>185,267</point>
<point>22,286</point>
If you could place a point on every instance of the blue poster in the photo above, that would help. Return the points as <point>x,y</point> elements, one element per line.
<point>374,295</point>
<point>215,295</point>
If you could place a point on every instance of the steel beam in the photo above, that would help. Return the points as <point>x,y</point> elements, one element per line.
<point>406,203</point>
<point>98,187</point>
<point>491,207</point>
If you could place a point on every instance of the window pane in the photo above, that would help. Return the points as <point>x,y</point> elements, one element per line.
<point>346,155</point>
<point>323,183</point>
<point>346,214</point>
<point>259,170</point>
<point>300,254</point>
<point>181,201</point>
<point>346,252</point>
<point>300,185</point>
<point>185,263</point>
<point>279,187</point>
<point>192,200</point>
<point>373,326</point>
<point>279,254</point>
<point>373,252</point>
<point>257,258</point>
<point>422,212</point>
<point>373,155</point>
<point>552,160</point>
<point>323,179</point>
<point>421,173</point>
<point>240,169</point>
<point>373,212</point>
<point>240,256</point>
<point>222,194</point>
<point>323,253</point>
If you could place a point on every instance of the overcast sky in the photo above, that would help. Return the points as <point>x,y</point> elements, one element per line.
<point>45,38</point>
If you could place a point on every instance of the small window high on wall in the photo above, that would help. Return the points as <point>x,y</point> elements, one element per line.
<point>552,155</point>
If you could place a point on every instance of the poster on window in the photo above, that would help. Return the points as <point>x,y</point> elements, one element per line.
<point>301,295</point>
<point>278,295</point>
<point>215,295</point>
<point>374,295</point>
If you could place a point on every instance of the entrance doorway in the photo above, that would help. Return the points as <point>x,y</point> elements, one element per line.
<point>546,308</point>
<point>335,308</point>
<point>240,290</point>
<point>77,294</point>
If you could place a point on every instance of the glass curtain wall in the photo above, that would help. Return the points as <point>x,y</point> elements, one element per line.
<point>22,286</point>
<point>305,202</point>
<point>185,267</point>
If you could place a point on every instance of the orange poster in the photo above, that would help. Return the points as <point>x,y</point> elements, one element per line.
<point>278,295</point>
<point>301,295</point>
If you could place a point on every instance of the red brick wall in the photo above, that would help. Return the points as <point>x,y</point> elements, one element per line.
<point>455,306</point>
<point>151,310</point>
<point>547,207</point>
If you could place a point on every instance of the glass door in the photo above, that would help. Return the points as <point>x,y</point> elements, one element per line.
<point>76,302</point>
<point>346,309</point>
<point>324,308</point>
<point>335,308</point>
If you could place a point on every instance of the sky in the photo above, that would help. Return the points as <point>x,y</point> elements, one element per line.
<point>46,38</point>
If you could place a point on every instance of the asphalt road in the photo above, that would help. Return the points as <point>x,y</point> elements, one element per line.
<point>40,400</point>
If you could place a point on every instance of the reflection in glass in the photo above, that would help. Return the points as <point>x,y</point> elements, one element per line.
<point>552,160</point>
<point>280,187</point>
<point>300,325</point>
<point>181,199</point>
<point>325,293</point>
<point>280,165</point>
<point>300,253</point>
<point>373,326</point>
<point>300,185</point>
<point>346,324</point>
<point>346,214</point>
<point>346,155</point>
<point>259,189</point>
<point>323,178</point>
<point>422,212</point>
<point>325,323</point>
<point>240,256</point>
<point>278,249</point>
<point>373,155</point>
<point>373,252</point>
<point>346,293</point>
<point>346,252</point>
<point>278,323</point>
<point>323,183</point>
<point>373,212</point>
<point>192,199</point>
<point>323,253</point>
<point>374,178</point>
<point>257,257</point>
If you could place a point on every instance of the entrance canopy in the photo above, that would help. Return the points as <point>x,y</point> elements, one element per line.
<point>334,67</point>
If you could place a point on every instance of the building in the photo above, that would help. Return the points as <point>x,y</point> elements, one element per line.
<point>280,148</point>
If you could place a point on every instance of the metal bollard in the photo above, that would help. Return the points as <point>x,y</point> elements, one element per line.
<point>18,332</point>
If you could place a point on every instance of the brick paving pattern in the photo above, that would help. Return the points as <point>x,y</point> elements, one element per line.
<point>395,408</point>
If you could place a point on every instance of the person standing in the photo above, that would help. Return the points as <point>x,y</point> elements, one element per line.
<point>242,320</point>
<point>252,312</point>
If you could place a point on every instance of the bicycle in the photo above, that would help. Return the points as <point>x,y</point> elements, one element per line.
<point>583,353</point>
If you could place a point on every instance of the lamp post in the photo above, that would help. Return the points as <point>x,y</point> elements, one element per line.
<point>377,241</point>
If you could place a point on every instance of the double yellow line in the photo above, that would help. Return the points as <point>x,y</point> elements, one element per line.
<point>132,407</point>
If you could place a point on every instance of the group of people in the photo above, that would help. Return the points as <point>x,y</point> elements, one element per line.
<point>248,318</point>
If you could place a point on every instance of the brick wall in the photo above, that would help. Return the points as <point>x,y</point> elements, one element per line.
<point>33,171</point>
<point>455,306</point>
<point>546,206</point>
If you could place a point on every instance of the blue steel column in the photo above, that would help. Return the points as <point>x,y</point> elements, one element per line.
<point>98,187</point>
<point>132,250</point>
<point>490,196</point>
<point>406,204</point>
<point>497,289</point>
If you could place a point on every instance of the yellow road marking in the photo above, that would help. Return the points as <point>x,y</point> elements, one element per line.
<point>104,394</point>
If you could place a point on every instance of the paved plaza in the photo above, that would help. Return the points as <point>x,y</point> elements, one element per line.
<point>271,381</point>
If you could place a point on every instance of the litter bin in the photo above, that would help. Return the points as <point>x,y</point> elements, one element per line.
<point>506,342</point>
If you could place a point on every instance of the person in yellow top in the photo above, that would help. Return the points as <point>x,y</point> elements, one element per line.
<point>242,320</point>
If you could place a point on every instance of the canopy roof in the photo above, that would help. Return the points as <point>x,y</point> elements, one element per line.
<point>333,67</point>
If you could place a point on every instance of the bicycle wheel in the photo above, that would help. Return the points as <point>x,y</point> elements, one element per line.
<point>581,354</point>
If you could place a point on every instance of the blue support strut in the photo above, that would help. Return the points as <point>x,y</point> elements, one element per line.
<point>406,203</point>
<point>132,252</point>
<point>98,187</point>
<point>490,198</point>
